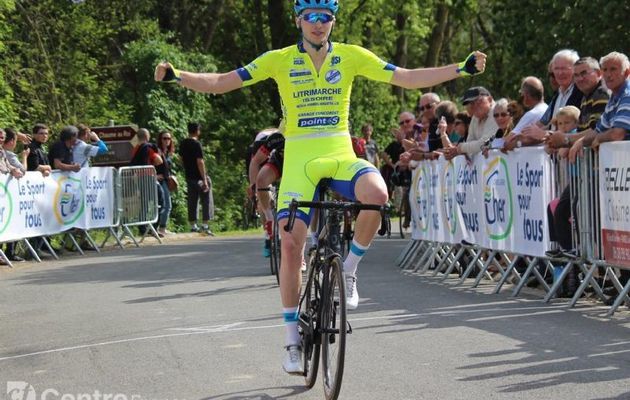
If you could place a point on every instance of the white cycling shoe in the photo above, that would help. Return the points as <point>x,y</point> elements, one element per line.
<point>293,363</point>
<point>352,295</point>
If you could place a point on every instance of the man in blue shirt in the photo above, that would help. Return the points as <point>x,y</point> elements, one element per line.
<point>614,123</point>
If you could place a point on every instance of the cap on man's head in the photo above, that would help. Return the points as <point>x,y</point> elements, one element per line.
<point>474,93</point>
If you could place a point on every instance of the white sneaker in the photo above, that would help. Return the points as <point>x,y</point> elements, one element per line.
<point>352,295</point>
<point>292,363</point>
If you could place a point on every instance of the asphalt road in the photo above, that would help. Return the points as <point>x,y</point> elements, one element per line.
<point>200,319</point>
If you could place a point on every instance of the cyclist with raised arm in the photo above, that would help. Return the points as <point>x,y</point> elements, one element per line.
<point>314,79</point>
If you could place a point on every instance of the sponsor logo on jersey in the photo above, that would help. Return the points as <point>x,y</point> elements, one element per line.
<point>298,61</point>
<point>335,60</point>
<point>333,76</point>
<point>299,72</point>
<point>317,121</point>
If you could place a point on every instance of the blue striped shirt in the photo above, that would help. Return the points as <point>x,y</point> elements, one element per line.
<point>617,112</point>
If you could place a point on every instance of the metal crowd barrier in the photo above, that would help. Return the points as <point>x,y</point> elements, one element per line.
<point>138,199</point>
<point>582,182</point>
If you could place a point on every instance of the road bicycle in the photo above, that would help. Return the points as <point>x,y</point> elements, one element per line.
<point>249,213</point>
<point>322,319</point>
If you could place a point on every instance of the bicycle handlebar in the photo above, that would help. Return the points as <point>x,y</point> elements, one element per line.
<point>332,205</point>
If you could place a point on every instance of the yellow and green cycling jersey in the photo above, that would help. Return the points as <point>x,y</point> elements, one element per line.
<point>316,107</point>
<point>315,101</point>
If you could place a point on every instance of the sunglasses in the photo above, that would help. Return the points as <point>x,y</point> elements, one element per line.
<point>427,107</point>
<point>313,17</point>
<point>406,121</point>
<point>166,138</point>
<point>503,115</point>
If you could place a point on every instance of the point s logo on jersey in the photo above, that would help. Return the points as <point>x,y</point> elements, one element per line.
<point>333,76</point>
<point>69,204</point>
<point>497,199</point>
<point>6,207</point>
<point>335,60</point>
<point>421,201</point>
<point>317,121</point>
<point>449,188</point>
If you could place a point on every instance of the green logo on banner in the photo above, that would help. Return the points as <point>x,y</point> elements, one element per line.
<point>497,199</point>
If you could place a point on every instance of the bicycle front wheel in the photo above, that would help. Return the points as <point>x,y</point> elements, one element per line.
<point>309,324</point>
<point>334,328</point>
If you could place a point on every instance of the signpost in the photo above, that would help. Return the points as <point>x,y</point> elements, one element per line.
<point>120,140</point>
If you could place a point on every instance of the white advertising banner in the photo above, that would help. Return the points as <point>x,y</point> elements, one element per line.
<point>516,191</point>
<point>37,206</point>
<point>614,186</point>
<point>498,202</point>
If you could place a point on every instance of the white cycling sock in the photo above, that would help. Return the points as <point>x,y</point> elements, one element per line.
<point>354,256</point>
<point>291,337</point>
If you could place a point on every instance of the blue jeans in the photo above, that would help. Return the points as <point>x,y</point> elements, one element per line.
<point>165,203</point>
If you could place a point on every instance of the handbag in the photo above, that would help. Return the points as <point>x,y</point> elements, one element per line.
<point>172,183</point>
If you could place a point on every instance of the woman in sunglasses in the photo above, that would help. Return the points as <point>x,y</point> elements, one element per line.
<point>314,79</point>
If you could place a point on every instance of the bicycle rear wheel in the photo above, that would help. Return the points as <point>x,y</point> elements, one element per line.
<point>334,326</point>
<point>309,324</point>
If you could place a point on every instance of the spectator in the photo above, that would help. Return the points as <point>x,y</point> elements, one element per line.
<point>588,78</point>
<point>371,148</point>
<point>614,123</point>
<point>147,153</point>
<point>553,82</point>
<point>448,110</point>
<point>503,119</point>
<point>516,110</point>
<point>428,103</point>
<point>566,95</point>
<point>198,182</point>
<point>462,122</point>
<point>37,159</point>
<point>532,94</point>
<point>82,150</point>
<point>479,105</point>
<point>9,164</point>
<point>391,154</point>
<point>10,141</point>
<point>60,154</point>
<point>166,150</point>
<point>5,164</point>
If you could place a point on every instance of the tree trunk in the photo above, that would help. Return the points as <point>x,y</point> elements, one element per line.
<point>400,57</point>
<point>217,8</point>
<point>436,41</point>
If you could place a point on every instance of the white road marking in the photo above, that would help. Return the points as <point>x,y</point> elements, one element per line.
<point>233,327</point>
